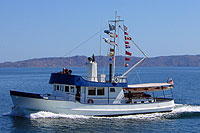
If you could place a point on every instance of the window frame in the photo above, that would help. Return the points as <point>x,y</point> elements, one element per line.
<point>65,89</point>
<point>54,87</point>
<point>112,90</point>
<point>100,88</point>
<point>72,89</point>
<point>95,91</point>
<point>57,87</point>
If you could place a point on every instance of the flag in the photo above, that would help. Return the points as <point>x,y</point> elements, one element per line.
<point>128,53</point>
<point>127,59</point>
<point>170,81</point>
<point>111,58</point>
<point>125,28</point>
<point>107,31</point>
<point>127,46</point>
<point>125,33</point>
<point>126,42</point>
<point>111,50</point>
<point>106,40</point>
<point>113,35</point>
<point>111,27</point>
<point>112,43</point>
<point>128,38</point>
<point>126,64</point>
<point>111,53</point>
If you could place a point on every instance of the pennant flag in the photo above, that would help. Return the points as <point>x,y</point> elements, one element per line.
<point>111,50</point>
<point>113,35</point>
<point>111,27</point>
<point>125,28</point>
<point>126,42</point>
<point>128,53</point>
<point>128,38</point>
<point>126,65</point>
<point>127,46</point>
<point>111,53</point>
<point>127,59</point>
<point>107,31</point>
<point>112,43</point>
<point>106,40</point>
<point>125,33</point>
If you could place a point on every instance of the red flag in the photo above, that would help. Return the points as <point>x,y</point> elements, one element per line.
<point>128,53</point>
<point>125,33</point>
<point>113,35</point>
<point>126,42</point>
<point>128,38</point>
<point>127,59</point>
<point>126,65</point>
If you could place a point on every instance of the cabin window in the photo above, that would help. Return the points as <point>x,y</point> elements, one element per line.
<point>61,88</point>
<point>54,87</point>
<point>66,88</point>
<point>58,87</point>
<point>100,91</point>
<point>112,89</point>
<point>91,91</point>
<point>72,89</point>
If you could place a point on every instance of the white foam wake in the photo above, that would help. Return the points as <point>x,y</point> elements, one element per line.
<point>44,114</point>
<point>179,108</point>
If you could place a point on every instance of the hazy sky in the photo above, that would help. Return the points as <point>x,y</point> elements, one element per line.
<point>52,28</point>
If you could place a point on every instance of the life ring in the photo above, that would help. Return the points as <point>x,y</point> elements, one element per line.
<point>116,79</point>
<point>90,101</point>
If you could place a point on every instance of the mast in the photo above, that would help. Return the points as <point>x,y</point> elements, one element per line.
<point>116,21</point>
<point>113,74</point>
<point>139,62</point>
<point>116,24</point>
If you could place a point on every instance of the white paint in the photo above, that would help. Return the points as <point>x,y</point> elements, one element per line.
<point>76,108</point>
<point>92,71</point>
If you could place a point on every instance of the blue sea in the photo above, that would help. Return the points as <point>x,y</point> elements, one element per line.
<point>184,118</point>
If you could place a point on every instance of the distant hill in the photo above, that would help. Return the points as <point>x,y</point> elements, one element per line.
<point>80,61</point>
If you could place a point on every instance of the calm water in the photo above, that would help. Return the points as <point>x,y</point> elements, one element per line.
<point>184,118</point>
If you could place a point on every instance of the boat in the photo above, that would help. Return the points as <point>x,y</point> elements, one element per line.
<point>100,95</point>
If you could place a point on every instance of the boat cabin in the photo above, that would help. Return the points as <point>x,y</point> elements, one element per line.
<point>96,90</point>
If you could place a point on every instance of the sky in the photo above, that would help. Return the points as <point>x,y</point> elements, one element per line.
<point>55,28</point>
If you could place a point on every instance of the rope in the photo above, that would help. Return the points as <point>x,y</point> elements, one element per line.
<point>83,42</point>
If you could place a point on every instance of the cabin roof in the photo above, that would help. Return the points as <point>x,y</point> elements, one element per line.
<point>59,78</point>
<point>148,85</point>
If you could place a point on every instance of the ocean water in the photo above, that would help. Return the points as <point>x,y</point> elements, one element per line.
<point>184,118</point>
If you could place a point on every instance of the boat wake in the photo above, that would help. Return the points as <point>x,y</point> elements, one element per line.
<point>180,111</point>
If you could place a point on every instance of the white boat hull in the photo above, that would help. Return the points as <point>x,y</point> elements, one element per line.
<point>76,108</point>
